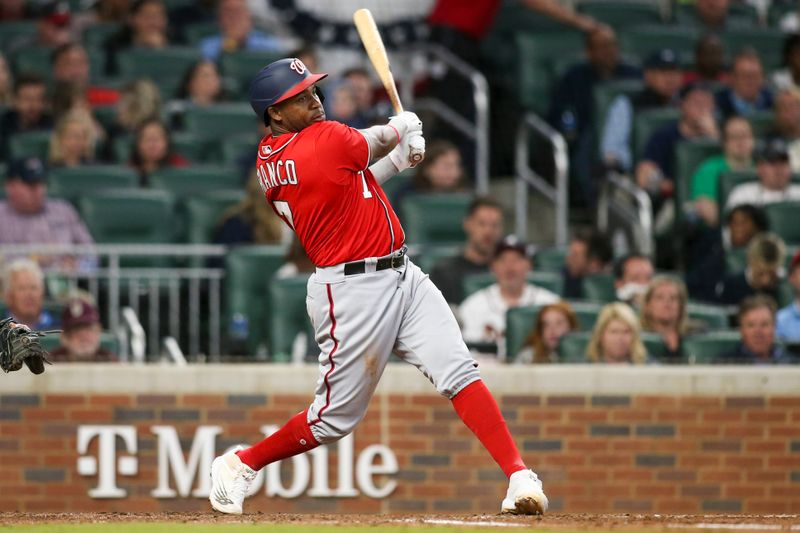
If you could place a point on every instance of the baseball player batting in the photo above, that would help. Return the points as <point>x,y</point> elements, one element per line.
<point>366,298</point>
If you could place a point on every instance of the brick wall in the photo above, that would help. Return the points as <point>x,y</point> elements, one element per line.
<point>595,452</point>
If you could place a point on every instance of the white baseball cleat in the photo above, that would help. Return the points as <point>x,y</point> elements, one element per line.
<point>230,479</point>
<point>525,494</point>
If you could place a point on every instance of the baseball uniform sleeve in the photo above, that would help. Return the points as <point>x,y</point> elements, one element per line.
<point>341,147</point>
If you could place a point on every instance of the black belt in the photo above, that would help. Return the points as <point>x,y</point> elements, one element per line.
<point>393,261</point>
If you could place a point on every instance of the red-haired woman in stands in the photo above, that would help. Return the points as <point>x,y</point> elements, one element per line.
<point>553,322</point>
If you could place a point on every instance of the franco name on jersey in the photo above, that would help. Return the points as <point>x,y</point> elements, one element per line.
<point>275,173</point>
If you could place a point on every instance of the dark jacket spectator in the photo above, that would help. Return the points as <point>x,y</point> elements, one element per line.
<point>757,327</point>
<point>28,112</point>
<point>748,92</point>
<point>588,253</point>
<point>765,258</point>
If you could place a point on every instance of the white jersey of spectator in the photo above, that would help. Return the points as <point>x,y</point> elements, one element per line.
<point>483,314</point>
<point>755,193</point>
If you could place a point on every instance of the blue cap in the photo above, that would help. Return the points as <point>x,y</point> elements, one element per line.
<point>28,169</point>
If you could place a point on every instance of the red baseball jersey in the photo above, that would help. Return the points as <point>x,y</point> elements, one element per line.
<point>317,181</point>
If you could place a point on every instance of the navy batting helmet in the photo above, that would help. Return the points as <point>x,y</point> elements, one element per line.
<point>278,81</point>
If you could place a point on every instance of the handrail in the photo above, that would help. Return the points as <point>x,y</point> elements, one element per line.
<point>527,177</point>
<point>138,336</point>
<point>638,216</point>
<point>479,132</point>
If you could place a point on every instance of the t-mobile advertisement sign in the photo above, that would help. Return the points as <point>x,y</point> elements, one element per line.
<point>182,475</point>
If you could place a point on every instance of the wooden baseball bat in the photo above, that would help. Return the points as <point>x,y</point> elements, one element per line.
<point>368,31</point>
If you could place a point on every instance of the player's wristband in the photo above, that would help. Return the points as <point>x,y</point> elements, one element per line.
<point>395,132</point>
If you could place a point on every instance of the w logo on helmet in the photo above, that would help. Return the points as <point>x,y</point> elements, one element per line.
<point>298,66</point>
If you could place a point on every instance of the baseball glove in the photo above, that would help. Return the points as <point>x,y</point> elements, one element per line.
<point>18,344</point>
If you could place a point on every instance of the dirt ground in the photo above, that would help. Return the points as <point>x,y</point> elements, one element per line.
<point>653,522</point>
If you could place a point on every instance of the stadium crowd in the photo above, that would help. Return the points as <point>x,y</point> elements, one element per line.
<point>151,95</point>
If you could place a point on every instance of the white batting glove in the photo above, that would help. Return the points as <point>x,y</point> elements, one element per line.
<point>405,123</point>
<point>410,151</point>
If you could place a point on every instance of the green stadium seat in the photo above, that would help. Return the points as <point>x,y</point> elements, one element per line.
<point>550,259</point>
<point>106,115</point>
<point>688,157</point>
<point>536,65</point>
<point>129,216</point>
<point>96,35</point>
<point>572,347</point>
<point>703,348</point>
<point>427,256</point>
<point>233,148</point>
<point>248,271</point>
<point>166,66</point>
<point>30,143</point>
<point>202,213</point>
<point>221,120</point>
<point>196,32</point>
<point>767,42</point>
<point>779,10</point>
<point>654,344</point>
<point>599,288</point>
<point>11,31</point>
<point>36,60</point>
<point>762,123</point>
<point>643,40</point>
<point>435,218</point>
<point>71,183</point>
<point>521,320</point>
<point>740,15</point>
<point>288,316</point>
<point>708,316</point>
<point>646,123</point>
<point>621,14</point>
<point>193,179</point>
<point>729,180</point>
<point>185,144</point>
<point>241,67</point>
<point>783,220</point>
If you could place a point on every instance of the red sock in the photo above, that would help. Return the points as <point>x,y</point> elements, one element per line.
<point>478,409</point>
<point>293,438</point>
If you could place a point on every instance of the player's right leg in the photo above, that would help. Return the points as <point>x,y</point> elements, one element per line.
<point>355,320</point>
<point>431,340</point>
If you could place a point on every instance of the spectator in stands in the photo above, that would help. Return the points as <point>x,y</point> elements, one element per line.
<point>662,79</point>
<point>483,226</point>
<point>440,172</point>
<point>70,63</point>
<point>738,144</point>
<point>656,172</point>
<point>748,91</point>
<point>361,82</point>
<point>787,124</point>
<point>757,326</point>
<point>52,28</point>
<point>572,100</point>
<point>237,33</point>
<point>69,97</point>
<point>483,314</point>
<point>251,221</point>
<point>152,150</point>
<point>774,179</point>
<point>23,294</point>
<point>80,338</point>
<point>27,216</point>
<point>341,102</point>
<point>788,320</point>
<point>202,85</point>
<point>788,78</point>
<point>664,312</point>
<point>296,261</point>
<point>588,253</point>
<point>552,322</point>
<point>706,265</point>
<point>146,27</point>
<point>140,100</point>
<point>28,112</point>
<point>616,338</point>
<point>709,62</point>
<point>765,258</point>
<point>711,15</point>
<point>308,55</point>
<point>632,275</point>
<point>74,140</point>
<point>6,83</point>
